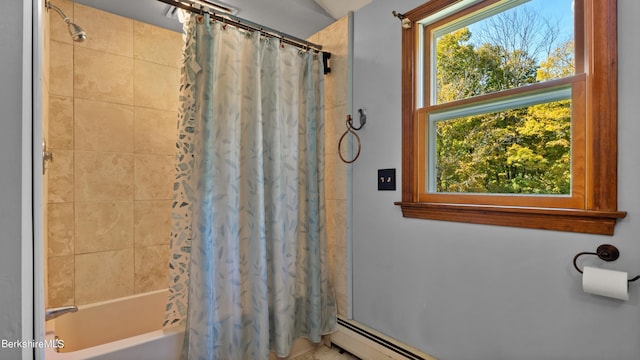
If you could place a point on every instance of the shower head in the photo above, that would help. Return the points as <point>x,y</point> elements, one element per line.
<point>76,32</point>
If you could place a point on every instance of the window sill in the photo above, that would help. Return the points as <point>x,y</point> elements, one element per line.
<point>572,220</point>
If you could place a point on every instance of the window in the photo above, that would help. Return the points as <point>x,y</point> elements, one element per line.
<point>510,113</point>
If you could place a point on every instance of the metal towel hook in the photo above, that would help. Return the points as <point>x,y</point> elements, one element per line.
<point>362,118</point>
<point>605,252</point>
<point>350,129</point>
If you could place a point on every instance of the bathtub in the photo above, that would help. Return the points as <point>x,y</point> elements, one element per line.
<point>128,328</point>
<point>119,329</point>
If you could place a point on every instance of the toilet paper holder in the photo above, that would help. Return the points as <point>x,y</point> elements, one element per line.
<point>606,252</point>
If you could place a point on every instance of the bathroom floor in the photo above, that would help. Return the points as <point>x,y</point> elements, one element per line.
<point>326,353</point>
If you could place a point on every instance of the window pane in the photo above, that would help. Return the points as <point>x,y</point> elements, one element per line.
<point>511,44</point>
<point>524,150</point>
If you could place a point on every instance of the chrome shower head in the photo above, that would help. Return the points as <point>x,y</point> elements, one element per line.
<point>76,32</point>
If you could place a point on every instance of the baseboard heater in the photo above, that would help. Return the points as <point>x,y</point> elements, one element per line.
<point>369,344</point>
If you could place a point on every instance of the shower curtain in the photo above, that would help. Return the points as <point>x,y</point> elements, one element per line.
<point>248,269</point>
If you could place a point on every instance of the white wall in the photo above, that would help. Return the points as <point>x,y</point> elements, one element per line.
<point>463,291</point>
<point>10,174</point>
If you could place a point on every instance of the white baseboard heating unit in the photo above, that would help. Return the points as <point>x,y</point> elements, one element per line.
<point>368,344</point>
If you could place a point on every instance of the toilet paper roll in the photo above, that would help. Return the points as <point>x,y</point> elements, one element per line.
<point>605,282</point>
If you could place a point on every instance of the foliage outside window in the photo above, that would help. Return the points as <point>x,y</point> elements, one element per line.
<point>510,115</point>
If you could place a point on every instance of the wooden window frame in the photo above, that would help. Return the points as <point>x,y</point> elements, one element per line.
<point>596,211</point>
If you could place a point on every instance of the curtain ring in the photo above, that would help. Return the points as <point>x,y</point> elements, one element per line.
<point>349,130</point>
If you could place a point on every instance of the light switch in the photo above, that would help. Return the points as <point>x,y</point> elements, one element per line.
<point>386,179</point>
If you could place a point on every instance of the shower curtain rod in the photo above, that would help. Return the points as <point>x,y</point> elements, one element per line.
<point>241,23</point>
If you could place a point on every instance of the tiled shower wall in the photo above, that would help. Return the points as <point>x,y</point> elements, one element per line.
<point>334,39</point>
<point>112,131</point>
<point>112,119</point>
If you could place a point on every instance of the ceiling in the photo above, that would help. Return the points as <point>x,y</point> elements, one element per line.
<point>300,18</point>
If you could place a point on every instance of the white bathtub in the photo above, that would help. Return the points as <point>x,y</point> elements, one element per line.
<point>128,328</point>
<point>119,329</point>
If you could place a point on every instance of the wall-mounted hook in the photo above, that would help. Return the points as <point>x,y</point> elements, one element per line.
<point>362,118</point>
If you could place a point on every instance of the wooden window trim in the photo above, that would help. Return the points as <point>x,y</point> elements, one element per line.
<point>599,213</point>
<point>575,200</point>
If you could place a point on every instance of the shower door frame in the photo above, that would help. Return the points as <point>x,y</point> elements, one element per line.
<point>33,266</point>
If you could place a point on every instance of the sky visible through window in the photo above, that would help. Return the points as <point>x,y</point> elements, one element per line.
<point>561,10</point>
<point>558,13</point>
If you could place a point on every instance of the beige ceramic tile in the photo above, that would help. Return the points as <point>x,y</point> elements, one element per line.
<point>156,44</point>
<point>335,84</point>
<point>46,43</point>
<point>152,264</point>
<point>155,131</point>
<point>340,270</point>
<point>337,224</point>
<point>60,123</point>
<point>103,176</point>
<point>46,115</point>
<point>105,31</point>
<point>103,276</point>
<point>57,27</point>
<point>102,76</point>
<point>156,86</point>
<point>152,222</point>
<point>45,269</point>
<point>102,226</point>
<point>330,207</point>
<point>334,128</point>
<point>154,177</point>
<point>60,176</point>
<point>315,38</point>
<point>60,229</point>
<point>61,280</point>
<point>103,126</point>
<point>61,69</point>
<point>337,221</point>
<point>335,177</point>
<point>335,37</point>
